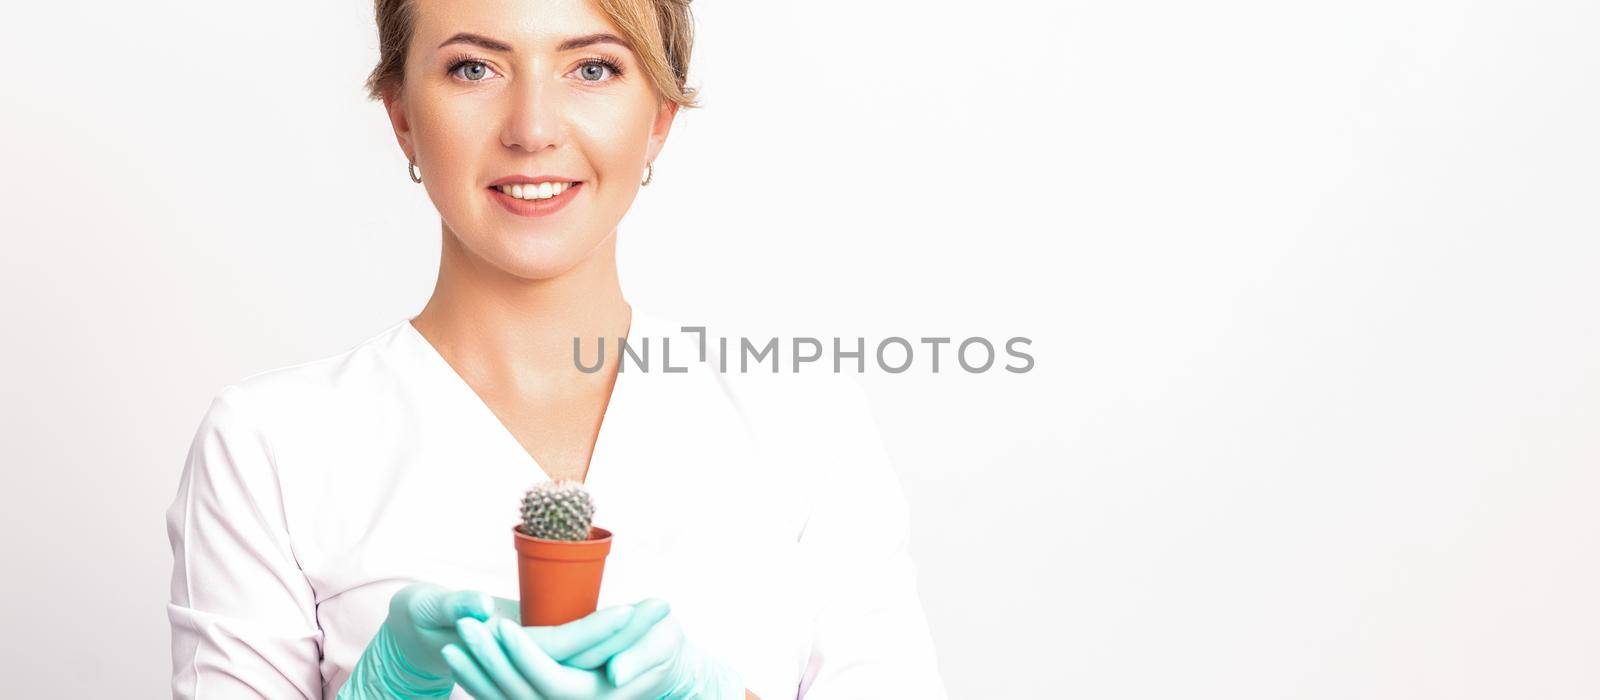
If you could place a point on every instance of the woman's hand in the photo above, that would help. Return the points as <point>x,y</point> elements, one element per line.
<point>403,658</point>
<point>648,658</point>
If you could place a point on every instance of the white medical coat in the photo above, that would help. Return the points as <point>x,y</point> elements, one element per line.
<point>762,507</point>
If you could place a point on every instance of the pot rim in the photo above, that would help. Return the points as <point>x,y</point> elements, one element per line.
<point>596,534</point>
<point>594,548</point>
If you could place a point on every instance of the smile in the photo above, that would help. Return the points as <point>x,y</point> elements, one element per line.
<point>543,190</point>
<point>535,200</point>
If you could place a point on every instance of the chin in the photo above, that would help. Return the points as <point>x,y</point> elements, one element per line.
<point>541,261</point>
<point>533,251</point>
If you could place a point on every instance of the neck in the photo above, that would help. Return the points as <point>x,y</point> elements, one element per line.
<point>515,332</point>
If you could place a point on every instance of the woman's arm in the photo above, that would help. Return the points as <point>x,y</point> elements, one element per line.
<point>243,615</point>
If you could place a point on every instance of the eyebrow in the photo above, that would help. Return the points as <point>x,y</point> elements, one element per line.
<point>576,42</point>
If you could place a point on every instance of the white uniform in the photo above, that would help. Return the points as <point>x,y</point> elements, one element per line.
<point>762,507</point>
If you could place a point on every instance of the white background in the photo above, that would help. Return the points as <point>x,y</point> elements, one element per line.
<point>1311,288</point>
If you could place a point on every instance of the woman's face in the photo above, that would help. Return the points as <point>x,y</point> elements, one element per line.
<point>472,113</point>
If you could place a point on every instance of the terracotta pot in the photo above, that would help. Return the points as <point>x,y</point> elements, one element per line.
<point>560,579</point>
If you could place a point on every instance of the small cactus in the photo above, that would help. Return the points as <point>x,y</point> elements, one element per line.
<point>557,510</point>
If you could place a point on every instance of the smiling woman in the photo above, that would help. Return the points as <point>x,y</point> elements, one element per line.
<point>341,525</point>
<point>509,128</point>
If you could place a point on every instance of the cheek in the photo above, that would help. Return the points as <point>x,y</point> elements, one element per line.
<point>613,137</point>
<point>454,134</point>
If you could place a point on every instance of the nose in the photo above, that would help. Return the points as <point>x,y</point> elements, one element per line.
<point>533,120</point>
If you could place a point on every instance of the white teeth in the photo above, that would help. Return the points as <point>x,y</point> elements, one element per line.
<point>543,190</point>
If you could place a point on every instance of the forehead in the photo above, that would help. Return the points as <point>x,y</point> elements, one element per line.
<point>525,24</point>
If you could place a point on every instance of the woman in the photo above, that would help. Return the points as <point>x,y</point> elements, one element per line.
<point>342,526</point>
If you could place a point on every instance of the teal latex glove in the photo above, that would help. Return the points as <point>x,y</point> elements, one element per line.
<point>647,659</point>
<point>404,658</point>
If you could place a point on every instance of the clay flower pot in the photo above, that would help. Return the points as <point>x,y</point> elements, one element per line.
<point>560,579</point>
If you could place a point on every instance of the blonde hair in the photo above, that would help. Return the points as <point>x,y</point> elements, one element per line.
<point>661,33</point>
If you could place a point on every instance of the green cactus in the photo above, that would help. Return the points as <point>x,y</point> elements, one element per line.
<point>557,510</point>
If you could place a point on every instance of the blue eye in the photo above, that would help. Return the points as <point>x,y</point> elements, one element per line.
<point>476,70</point>
<point>594,66</point>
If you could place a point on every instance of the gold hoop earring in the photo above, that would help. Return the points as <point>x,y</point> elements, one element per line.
<point>650,173</point>
<point>411,170</point>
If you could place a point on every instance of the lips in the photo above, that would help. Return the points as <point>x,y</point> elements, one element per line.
<point>534,207</point>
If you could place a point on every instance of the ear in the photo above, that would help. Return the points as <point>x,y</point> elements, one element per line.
<point>659,129</point>
<point>395,105</point>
